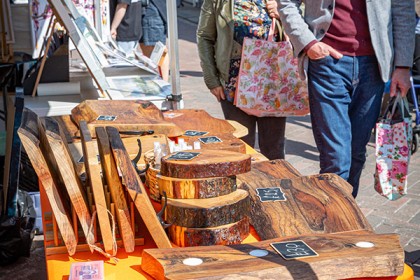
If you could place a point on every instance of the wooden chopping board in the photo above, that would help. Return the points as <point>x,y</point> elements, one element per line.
<point>126,115</point>
<point>228,142</point>
<point>208,163</point>
<point>314,204</point>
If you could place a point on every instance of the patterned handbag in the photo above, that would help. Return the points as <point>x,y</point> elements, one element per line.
<point>268,82</point>
<point>393,141</point>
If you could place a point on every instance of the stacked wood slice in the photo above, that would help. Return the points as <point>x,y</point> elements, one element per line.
<point>204,207</point>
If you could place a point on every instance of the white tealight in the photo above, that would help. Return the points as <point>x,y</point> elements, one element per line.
<point>258,253</point>
<point>192,261</point>
<point>365,244</point>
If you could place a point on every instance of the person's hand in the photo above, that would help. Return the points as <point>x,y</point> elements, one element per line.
<point>219,93</point>
<point>400,81</point>
<point>113,33</point>
<point>272,9</point>
<point>320,50</point>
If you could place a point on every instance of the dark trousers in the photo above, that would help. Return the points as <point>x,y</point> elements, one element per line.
<point>271,130</point>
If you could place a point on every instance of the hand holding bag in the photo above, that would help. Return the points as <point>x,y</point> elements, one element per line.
<point>268,82</point>
<point>393,141</point>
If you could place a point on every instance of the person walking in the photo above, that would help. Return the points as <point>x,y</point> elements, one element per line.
<point>220,34</point>
<point>348,50</point>
<point>154,22</point>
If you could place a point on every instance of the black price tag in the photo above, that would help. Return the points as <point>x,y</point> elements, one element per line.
<point>270,194</point>
<point>195,133</point>
<point>183,156</point>
<point>106,118</point>
<point>294,249</point>
<point>210,139</point>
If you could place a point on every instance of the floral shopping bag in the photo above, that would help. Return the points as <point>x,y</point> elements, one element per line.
<point>393,142</point>
<point>268,82</point>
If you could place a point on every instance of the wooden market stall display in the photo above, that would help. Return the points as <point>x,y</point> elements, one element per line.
<point>209,199</point>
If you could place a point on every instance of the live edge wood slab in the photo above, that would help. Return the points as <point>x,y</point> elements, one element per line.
<point>209,163</point>
<point>314,204</point>
<point>339,258</point>
<point>210,212</point>
<point>130,116</point>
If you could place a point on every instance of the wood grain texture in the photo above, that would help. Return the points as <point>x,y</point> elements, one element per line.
<point>315,204</point>
<point>195,119</point>
<point>229,234</point>
<point>196,188</point>
<point>338,258</point>
<point>136,189</point>
<point>69,127</point>
<point>29,135</point>
<point>229,142</point>
<point>209,163</point>
<point>115,187</point>
<point>131,115</point>
<point>58,156</point>
<point>208,212</point>
<point>95,180</point>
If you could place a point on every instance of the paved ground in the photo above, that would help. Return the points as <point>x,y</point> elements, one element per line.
<point>402,216</point>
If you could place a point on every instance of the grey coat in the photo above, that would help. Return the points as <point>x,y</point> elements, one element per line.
<point>391,24</point>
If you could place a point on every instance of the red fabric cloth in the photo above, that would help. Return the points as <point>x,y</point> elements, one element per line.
<point>349,29</point>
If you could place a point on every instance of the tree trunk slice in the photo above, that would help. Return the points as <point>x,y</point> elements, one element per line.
<point>338,258</point>
<point>209,163</point>
<point>229,142</point>
<point>136,189</point>
<point>193,119</point>
<point>315,204</point>
<point>29,135</point>
<point>228,234</point>
<point>196,188</point>
<point>95,179</point>
<point>131,115</point>
<point>116,189</point>
<point>209,212</point>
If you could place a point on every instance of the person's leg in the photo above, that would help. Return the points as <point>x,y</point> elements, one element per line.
<point>364,111</point>
<point>231,112</point>
<point>127,47</point>
<point>154,29</point>
<point>271,138</point>
<point>330,84</point>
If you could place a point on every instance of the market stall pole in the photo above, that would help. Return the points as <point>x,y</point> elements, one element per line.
<point>176,97</point>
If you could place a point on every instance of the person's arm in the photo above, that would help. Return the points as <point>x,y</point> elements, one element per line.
<point>206,41</point>
<point>403,33</point>
<point>119,15</point>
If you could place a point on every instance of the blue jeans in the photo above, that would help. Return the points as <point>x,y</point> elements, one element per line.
<point>345,98</point>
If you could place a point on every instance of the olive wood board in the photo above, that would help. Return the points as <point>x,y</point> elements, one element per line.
<point>208,212</point>
<point>111,174</point>
<point>136,190</point>
<point>54,147</point>
<point>314,204</point>
<point>229,234</point>
<point>196,188</point>
<point>338,258</point>
<point>130,116</point>
<point>229,142</point>
<point>209,163</point>
<point>29,136</point>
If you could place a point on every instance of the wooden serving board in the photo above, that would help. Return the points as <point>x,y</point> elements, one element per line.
<point>136,189</point>
<point>196,188</point>
<point>229,234</point>
<point>193,119</point>
<point>209,212</point>
<point>209,163</point>
<point>314,204</point>
<point>229,142</point>
<point>130,115</point>
<point>339,258</point>
<point>29,136</point>
<point>55,148</point>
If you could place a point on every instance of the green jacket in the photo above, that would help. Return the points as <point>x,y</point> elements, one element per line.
<point>215,40</point>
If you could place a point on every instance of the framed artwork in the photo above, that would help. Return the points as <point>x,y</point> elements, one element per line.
<point>150,87</point>
<point>40,15</point>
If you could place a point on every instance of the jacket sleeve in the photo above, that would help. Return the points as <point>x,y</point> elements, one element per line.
<point>403,31</point>
<point>206,41</point>
<point>294,24</point>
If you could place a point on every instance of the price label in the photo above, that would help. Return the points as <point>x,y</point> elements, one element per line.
<point>294,249</point>
<point>210,139</point>
<point>271,194</point>
<point>106,118</point>
<point>195,133</point>
<point>183,156</point>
